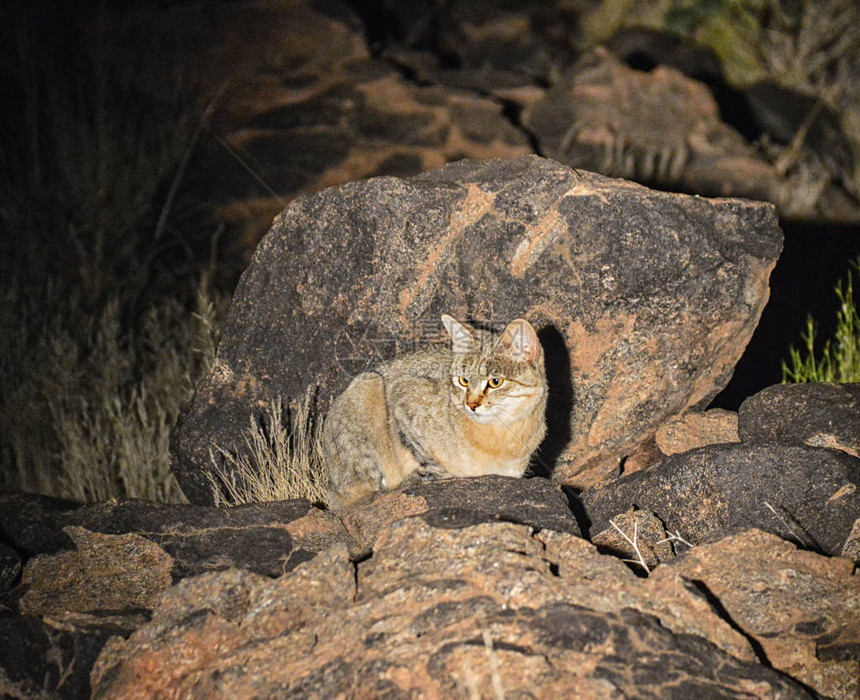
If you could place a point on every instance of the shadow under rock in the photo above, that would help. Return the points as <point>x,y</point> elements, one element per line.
<point>559,402</point>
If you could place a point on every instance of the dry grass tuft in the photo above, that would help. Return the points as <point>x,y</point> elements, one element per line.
<point>86,405</point>
<point>284,459</point>
<point>102,340</point>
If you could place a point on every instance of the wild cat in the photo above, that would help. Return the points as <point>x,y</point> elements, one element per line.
<point>470,408</point>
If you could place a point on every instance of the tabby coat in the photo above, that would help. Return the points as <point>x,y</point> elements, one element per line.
<point>471,408</point>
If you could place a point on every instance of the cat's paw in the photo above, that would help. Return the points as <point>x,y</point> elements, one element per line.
<point>431,472</point>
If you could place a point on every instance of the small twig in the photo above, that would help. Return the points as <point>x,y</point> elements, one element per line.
<point>784,520</point>
<point>796,146</point>
<point>634,543</point>
<point>498,688</point>
<point>676,537</point>
<point>186,157</point>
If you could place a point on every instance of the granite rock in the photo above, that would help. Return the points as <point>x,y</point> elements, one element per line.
<point>808,495</point>
<point>684,433</point>
<point>800,610</point>
<point>485,610</point>
<point>268,538</point>
<point>819,414</point>
<point>644,300</point>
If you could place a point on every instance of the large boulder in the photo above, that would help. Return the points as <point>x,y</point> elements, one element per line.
<point>808,495</point>
<point>820,414</point>
<point>658,127</point>
<point>645,299</point>
<point>800,610</point>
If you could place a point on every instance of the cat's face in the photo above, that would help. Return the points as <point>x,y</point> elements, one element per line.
<point>496,377</point>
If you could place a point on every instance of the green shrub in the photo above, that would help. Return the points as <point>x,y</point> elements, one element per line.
<point>839,360</point>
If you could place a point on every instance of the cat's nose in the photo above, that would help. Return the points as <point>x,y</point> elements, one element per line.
<point>473,404</point>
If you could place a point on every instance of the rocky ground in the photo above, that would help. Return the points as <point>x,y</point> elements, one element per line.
<point>727,569</point>
<point>676,551</point>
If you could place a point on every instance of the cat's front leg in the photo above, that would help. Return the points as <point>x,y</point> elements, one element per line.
<point>356,446</point>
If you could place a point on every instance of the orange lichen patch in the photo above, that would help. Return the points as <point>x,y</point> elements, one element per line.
<point>617,409</point>
<point>473,207</point>
<point>537,239</point>
<point>726,342</point>
<point>846,490</point>
<point>693,430</point>
<point>246,386</point>
<point>174,665</point>
<point>588,349</point>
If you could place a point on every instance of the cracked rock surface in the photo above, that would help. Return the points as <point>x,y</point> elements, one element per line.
<point>436,612</point>
<point>470,587</point>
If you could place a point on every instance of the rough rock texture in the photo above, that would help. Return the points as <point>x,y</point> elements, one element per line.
<point>820,414</point>
<point>659,127</point>
<point>495,47</point>
<point>639,537</point>
<point>107,572</point>
<point>693,430</point>
<point>50,658</point>
<point>802,609</point>
<point>268,538</point>
<point>463,587</point>
<point>10,567</point>
<point>480,611</point>
<point>308,106</point>
<point>808,495</point>
<point>657,109</point>
<point>851,548</point>
<point>538,503</point>
<point>646,300</point>
<point>73,601</point>
<point>53,626</point>
<point>297,95</point>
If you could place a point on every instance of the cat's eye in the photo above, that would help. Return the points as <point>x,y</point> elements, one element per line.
<point>463,381</point>
<point>495,382</point>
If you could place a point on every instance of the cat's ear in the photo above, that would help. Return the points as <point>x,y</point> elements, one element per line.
<point>520,341</point>
<point>462,338</point>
